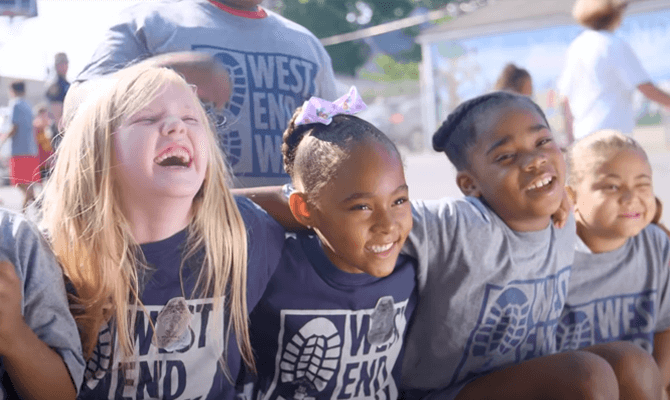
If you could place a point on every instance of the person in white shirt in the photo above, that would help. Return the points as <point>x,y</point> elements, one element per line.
<point>601,73</point>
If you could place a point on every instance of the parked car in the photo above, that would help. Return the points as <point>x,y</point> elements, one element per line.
<point>398,117</point>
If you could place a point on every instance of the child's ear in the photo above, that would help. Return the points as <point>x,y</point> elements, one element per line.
<point>467,183</point>
<point>572,195</point>
<point>300,208</point>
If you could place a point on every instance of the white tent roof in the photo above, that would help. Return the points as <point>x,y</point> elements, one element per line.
<point>503,16</point>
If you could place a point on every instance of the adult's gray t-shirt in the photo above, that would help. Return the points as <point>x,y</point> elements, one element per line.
<point>274,65</point>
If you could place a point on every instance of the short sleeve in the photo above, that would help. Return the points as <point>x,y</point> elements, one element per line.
<point>431,235</point>
<point>663,317</point>
<point>122,44</point>
<point>16,114</point>
<point>630,69</point>
<point>265,244</point>
<point>326,79</point>
<point>45,306</point>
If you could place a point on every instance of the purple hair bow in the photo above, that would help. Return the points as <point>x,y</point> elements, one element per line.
<point>316,110</point>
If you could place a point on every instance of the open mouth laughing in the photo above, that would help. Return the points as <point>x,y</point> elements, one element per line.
<point>174,156</point>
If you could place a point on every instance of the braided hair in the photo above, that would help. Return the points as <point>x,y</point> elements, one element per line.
<point>313,152</point>
<point>459,131</point>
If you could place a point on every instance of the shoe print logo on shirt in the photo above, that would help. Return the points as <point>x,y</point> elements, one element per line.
<point>266,90</point>
<point>339,353</point>
<point>630,317</point>
<point>516,322</point>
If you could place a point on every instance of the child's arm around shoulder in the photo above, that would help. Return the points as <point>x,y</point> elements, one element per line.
<point>265,243</point>
<point>437,227</point>
<point>274,201</point>
<point>39,340</point>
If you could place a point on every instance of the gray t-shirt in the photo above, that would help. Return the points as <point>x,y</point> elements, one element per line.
<point>489,296</point>
<point>619,295</point>
<point>44,303</point>
<point>23,141</point>
<point>274,64</point>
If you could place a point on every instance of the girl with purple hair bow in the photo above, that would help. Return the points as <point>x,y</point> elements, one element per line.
<point>333,318</point>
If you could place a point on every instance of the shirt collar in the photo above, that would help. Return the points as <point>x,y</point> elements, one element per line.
<point>258,14</point>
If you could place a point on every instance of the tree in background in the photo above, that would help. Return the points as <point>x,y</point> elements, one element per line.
<point>329,18</point>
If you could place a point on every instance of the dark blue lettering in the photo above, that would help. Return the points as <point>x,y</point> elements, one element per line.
<point>347,380</point>
<point>144,332</point>
<point>179,375</point>
<point>359,335</point>
<point>149,381</point>
<point>367,376</point>
<point>204,319</point>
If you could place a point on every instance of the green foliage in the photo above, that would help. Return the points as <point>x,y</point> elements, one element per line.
<point>650,119</point>
<point>329,18</point>
<point>391,70</point>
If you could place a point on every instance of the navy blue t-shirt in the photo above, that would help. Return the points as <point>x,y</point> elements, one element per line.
<point>58,89</point>
<point>187,369</point>
<point>319,332</point>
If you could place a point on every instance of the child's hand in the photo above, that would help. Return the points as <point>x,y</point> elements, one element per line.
<point>560,217</point>
<point>11,319</point>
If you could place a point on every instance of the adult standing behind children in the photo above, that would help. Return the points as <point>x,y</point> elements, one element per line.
<point>24,164</point>
<point>602,72</point>
<point>274,65</point>
<point>57,88</point>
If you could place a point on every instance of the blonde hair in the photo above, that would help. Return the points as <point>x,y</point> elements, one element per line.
<point>591,151</point>
<point>599,14</point>
<point>92,239</point>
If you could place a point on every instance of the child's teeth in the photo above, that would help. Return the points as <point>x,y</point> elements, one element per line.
<point>181,153</point>
<point>540,184</point>
<point>381,249</point>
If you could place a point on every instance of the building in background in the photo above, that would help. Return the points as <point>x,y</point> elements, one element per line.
<point>462,57</point>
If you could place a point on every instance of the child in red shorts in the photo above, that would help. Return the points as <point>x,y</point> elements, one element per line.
<point>24,164</point>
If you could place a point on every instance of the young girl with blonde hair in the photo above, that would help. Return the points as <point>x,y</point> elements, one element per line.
<point>620,283</point>
<point>164,262</point>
